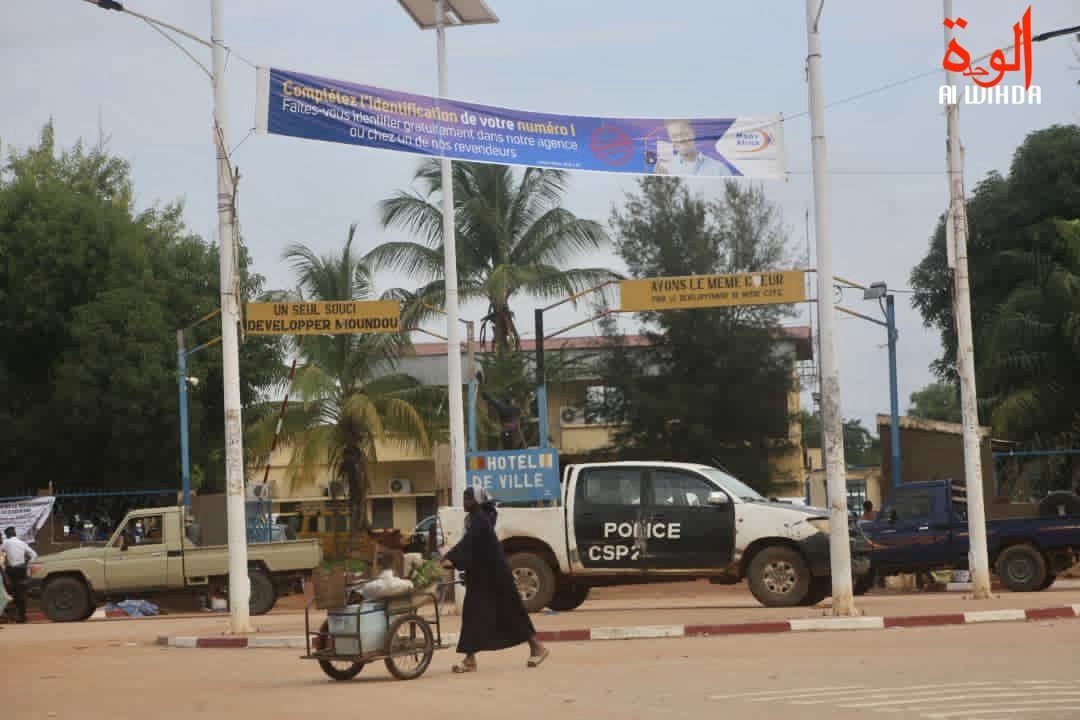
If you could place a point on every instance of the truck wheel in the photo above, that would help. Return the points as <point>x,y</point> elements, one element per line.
<point>820,588</point>
<point>569,597</point>
<point>778,577</point>
<point>1022,568</point>
<point>535,580</point>
<point>66,599</point>
<point>263,595</point>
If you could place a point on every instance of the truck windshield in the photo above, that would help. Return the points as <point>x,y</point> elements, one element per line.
<point>734,486</point>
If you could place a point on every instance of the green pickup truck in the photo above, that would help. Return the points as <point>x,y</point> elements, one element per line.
<point>151,554</point>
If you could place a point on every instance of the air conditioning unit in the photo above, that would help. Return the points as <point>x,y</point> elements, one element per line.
<point>258,491</point>
<point>400,486</point>
<point>570,415</point>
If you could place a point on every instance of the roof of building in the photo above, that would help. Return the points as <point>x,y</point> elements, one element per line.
<point>914,423</point>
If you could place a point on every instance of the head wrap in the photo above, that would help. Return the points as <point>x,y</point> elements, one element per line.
<point>485,502</point>
<point>478,494</point>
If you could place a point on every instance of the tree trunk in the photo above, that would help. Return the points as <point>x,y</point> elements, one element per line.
<point>355,473</point>
<point>504,328</point>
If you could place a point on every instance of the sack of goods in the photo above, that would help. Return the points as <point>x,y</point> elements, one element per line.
<point>386,586</point>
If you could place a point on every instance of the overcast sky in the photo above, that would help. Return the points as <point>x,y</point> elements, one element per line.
<point>80,65</point>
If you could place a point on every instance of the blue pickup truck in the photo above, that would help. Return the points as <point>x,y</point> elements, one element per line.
<point>923,527</point>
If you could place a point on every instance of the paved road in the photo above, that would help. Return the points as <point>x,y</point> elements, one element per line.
<point>675,604</point>
<point>1017,670</point>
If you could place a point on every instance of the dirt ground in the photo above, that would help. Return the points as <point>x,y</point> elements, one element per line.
<point>112,669</point>
<point>664,604</point>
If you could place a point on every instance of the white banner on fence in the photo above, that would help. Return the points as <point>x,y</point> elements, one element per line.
<point>26,516</point>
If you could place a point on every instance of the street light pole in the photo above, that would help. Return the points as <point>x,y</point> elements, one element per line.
<point>877,291</point>
<point>453,341</point>
<point>432,14</point>
<point>185,463</point>
<point>832,424</point>
<point>894,394</point>
<point>978,555</point>
<point>239,586</point>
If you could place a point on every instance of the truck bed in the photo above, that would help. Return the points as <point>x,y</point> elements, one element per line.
<point>278,557</point>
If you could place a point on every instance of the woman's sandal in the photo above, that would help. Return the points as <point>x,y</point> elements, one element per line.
<point>535,660</point>
<point>464,668</point>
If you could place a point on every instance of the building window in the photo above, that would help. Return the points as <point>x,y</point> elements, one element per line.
<point>382,513</point>
<point>426,506</point>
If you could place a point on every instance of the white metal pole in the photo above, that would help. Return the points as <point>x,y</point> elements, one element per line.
<point>453,342</point>
<point>843,602</point>
<point>978,556</point>
<point>239,586</point>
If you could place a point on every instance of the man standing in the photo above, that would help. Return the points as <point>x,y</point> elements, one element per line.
<point>18,555</point>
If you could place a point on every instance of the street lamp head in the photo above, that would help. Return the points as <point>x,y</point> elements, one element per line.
<point>107,4</point>
<point>876,291</point>
<point>457,12</point>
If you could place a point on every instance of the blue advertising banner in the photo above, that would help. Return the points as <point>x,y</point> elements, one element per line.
<point>317,108</point>
<point>512,476</point>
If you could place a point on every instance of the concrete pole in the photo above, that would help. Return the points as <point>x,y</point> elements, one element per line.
<point>239,586</point>
<point>978,556</point>
<point>831,421</point>
<point>453,341</point>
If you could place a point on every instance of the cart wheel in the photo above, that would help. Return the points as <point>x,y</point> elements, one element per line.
<point>337,669</point>
<point>409,647</point>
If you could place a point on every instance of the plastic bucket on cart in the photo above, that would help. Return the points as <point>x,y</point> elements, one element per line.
<point>368,620</point>
<point>371,624</point>
<point>344,622</point>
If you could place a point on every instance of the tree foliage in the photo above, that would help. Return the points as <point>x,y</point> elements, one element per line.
<point>93,292</point>
<point>936,401</point>
<point>711,387</point>
<point>512,235</point>
<point>1023,269</point>
<point>861,446</point>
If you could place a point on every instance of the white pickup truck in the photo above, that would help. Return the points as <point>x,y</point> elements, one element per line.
<point>640,522</point>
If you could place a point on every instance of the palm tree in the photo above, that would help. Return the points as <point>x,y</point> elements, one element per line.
<point>512,236</point>
<point>350,398</point>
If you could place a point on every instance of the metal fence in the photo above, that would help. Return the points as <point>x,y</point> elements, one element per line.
<point>92,515</point>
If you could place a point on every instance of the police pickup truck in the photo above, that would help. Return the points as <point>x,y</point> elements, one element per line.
<point>625,523</point>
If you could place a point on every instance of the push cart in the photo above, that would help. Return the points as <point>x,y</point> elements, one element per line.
<point>391,630</point>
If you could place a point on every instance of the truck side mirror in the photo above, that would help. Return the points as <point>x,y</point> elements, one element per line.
<point>717,498</point>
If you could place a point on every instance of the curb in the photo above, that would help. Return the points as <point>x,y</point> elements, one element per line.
<point>643,632</point>
<point>995,586</point>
